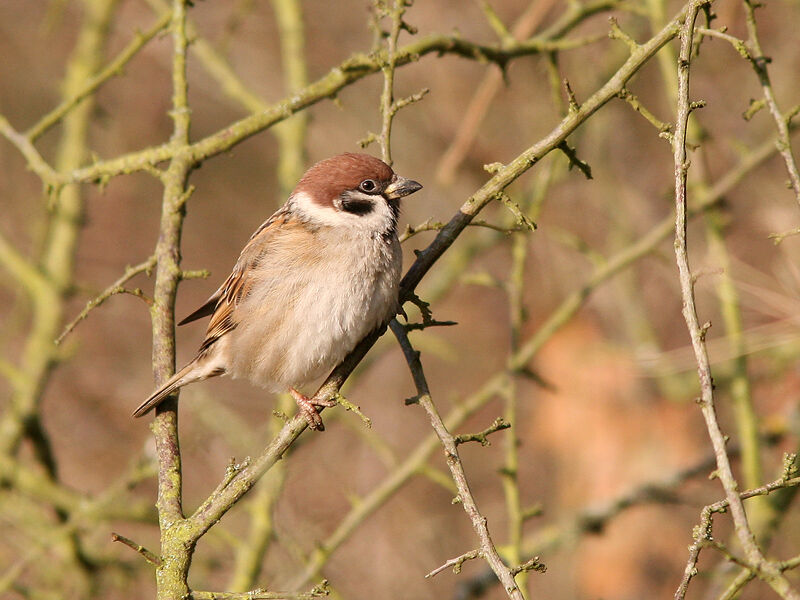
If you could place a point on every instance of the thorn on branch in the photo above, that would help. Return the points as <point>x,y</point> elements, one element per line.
<point>456,563</point>
<point>777,238</point>
<point>531,565</point>
<point>483,436</point>
<point>574,107</point>
<point>704,330</point>
<point>617,34</point>
<point>789,466</point>
<point>521,218</point>
<point>755,106</point>
<point>664,129</point>
<point>432,323</point>
<point>367,140</point>
<point>149,556</point>
<point>231,471</point>
<point>424,308</point>
<point>196,274</point>
<point>574,161</point>
<point>355,409</point>
<point>697,104</point>
<point>403,102</point>
<point>185,195</point>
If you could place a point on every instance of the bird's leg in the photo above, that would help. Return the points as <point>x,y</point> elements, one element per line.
<point>308,406</point>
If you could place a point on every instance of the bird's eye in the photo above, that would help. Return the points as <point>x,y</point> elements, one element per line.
<point>368,186</point>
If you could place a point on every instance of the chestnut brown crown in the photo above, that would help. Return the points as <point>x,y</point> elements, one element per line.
<point>330,178</point>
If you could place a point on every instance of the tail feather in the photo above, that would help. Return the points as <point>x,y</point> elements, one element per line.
<point>181,378</point>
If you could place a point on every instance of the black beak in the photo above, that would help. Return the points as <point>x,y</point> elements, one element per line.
<point>400,186</point>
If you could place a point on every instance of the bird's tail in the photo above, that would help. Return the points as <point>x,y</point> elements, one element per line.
<point>188,374</point>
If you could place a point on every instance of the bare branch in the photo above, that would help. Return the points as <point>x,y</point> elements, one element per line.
<point>317,591</point>
<point>456,563</point>
<point>115,288</point>
<point>114,68</point>
<point>487,548</point>
<point>766,570</point>
<point>483,436</point>
<point>150,557</point>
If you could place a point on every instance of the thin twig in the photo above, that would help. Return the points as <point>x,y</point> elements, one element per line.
<point>354,68</point>
<point>487,547</point>
<point>149,556</point>
<point>490,85</point>
<point>413,464</point>
<point>115,288</point>
<point>49,176</point>
<point>388,109</point>
<point>412,230</point>
<point>766,570</point>
<point>703,535</point>
<point>114,68</point>
<point>317,591</point>
<point>456,563</point>
<point>482,437</point>
<point>760,63</point>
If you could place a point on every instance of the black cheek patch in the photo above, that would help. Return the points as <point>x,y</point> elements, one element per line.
<point>357,207</point>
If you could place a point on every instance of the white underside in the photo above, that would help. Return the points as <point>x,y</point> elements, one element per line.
<point>312,306</point>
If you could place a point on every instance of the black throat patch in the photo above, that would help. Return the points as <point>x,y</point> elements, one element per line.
<point>357,206</point>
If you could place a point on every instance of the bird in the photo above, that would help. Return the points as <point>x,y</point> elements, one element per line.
<point>313,280</point>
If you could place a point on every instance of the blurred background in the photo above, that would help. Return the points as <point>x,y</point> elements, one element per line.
<point>603,414</point>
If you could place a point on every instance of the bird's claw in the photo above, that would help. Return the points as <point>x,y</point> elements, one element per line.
<point>308,406</point>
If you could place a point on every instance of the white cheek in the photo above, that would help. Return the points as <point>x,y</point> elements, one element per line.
<point>379,220</point>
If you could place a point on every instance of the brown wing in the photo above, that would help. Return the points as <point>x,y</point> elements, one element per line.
<point>223,302</point>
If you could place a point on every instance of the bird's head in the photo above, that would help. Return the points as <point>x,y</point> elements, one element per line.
<point>353,190</point>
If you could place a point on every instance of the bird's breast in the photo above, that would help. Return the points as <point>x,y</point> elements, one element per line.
<point>312,305</point>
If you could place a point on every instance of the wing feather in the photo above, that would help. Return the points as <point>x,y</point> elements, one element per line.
<point>222,303</point>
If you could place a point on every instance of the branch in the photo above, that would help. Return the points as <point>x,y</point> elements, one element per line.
<point>149,556</point>
<point>24,273</point>
<point>760,63</point>
<point>456,563</point>
<point>388,106</point>
<point>506,174</point>
<point>703,535</point>
<point>412,230</point>
<point>497,383</point>
<point>767,570</point>
<point>172,576</point>
<point>352,69</point>
<point>51,178</point>
<point>414,464</point>
<point>115,288</point>
<point>114,68</point>
<point>487,547</point>
<point>483,436</point>
<point>491,84</point>
<point>316,592</point>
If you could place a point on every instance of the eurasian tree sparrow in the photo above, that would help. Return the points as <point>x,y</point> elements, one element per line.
<point>313,280</point>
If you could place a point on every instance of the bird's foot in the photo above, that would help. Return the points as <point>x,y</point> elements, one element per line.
<point>308,406</point>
